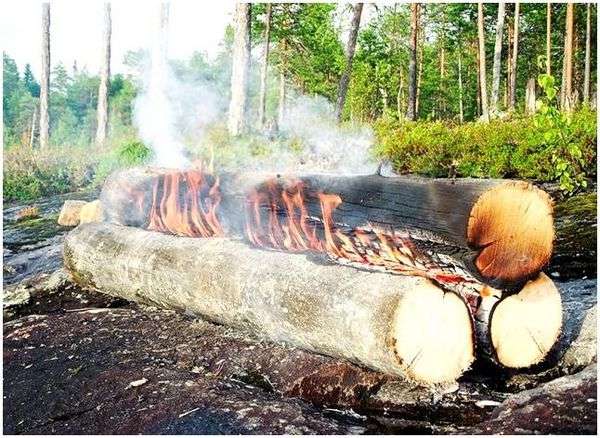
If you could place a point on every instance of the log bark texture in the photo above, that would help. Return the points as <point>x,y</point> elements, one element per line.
<point>403,326</point>
<point>501,230</point>
<point>45,78</point>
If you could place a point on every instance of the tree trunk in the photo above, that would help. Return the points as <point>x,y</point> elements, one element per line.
<point>586,78</point>
<point>411,111</point>
<point>45,78</point>
<point>460,89</point>
<point>236,123</point>
<point>566,88</point>
<point>102,129</point>
<point>350,48</point>
<point>400,97</point>
<point>281,110</point>
<point>497,59</point>
<point>33,123</point>
<point>530,97</point>
<point>420,44</point>
<point>549,38</point>
<point>482,72</point>
<point>515,54</point>
<point>381,321</point>
<point>263,72</point>
<point>466,216</point>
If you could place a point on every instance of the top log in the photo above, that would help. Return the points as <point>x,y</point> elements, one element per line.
<point>501,230</point>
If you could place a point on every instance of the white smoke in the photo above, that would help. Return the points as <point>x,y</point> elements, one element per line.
<point>329,147</point>
<point>175,110</point>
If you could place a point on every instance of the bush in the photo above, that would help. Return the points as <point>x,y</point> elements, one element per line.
<point>516,148</point>
<point>34,173</point>
<point>31,174</point>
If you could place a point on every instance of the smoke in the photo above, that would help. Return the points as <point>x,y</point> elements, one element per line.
<point>328,147</point>
<point>172,111</point>
<point>175,110</point>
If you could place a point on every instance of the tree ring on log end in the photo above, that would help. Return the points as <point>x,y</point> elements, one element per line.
<point>525,326</point>
<point>433,334</point>
<point>513,227</point>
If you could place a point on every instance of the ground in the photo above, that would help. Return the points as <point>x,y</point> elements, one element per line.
<point>82,362</point>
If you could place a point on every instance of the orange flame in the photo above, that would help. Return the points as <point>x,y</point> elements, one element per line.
<point>185,204</point>
<point>289,226</point>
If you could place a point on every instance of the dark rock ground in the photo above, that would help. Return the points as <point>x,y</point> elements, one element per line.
<point>77,362</point>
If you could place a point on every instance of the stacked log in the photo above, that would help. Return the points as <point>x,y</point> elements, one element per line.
<point>403,326</point>
<point>500,232</point>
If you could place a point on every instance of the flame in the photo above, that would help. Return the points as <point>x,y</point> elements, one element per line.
<point>185,203</point>
<point>278,217</point>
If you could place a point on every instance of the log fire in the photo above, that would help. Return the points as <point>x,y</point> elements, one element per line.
<point>478,241</point>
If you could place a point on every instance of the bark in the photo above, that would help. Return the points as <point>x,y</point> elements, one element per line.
<point>263,72</point>
<point>497,58</point>
<point>281,108</point>
<point>586,78</point>
<point>515,54</point>
<point>566,88</point>
<point>463,216</point>
<point>549,38</point>
<point>482,72</point>
<point>350,48</point>
<point>236,123</point>
<point>45,78</point>
<point>530,96</point>
<point>369,318</point>
<point>102,120</point>
<point>460,89</point>
<point>33,123</point>
<point>411,111</point>
<point>420,67</point>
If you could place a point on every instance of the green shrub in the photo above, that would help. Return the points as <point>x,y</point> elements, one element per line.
<point>517,148</point>
<point>30,174</point>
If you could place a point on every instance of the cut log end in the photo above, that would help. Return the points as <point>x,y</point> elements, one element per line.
<point>433,335</point>
<point>524,327</point>
<point>513,228</point>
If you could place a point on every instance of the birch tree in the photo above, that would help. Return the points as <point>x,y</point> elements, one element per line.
<point>512,95</point>
<point>45,78</point>
<point>567,79</point>
<point>264,67</point>
<point>351,47</point>
<point>102,119</point>
<point>236,122</point>
<point>548,37</point>
<point>586,75</point>
<point>497,58</point>
<point>482,72</point>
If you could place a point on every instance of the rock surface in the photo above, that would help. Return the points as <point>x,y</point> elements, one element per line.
<point>83,362</point>
<point>69,213</point>
<point>567,405</point>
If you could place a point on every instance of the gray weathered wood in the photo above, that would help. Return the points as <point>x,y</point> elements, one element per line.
<point>321,307</point>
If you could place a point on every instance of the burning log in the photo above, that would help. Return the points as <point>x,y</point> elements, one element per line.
<point>500,231</point>
<point>398,225</point>
<point>402,325</point>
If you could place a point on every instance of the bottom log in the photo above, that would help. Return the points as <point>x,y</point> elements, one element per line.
<point>524,327</point>
<point>400,325</point>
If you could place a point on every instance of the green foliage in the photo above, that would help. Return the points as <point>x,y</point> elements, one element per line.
<point>31,174</point>
<point>561,137</point>
<point>517,148</point>
<point>130,152</point>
